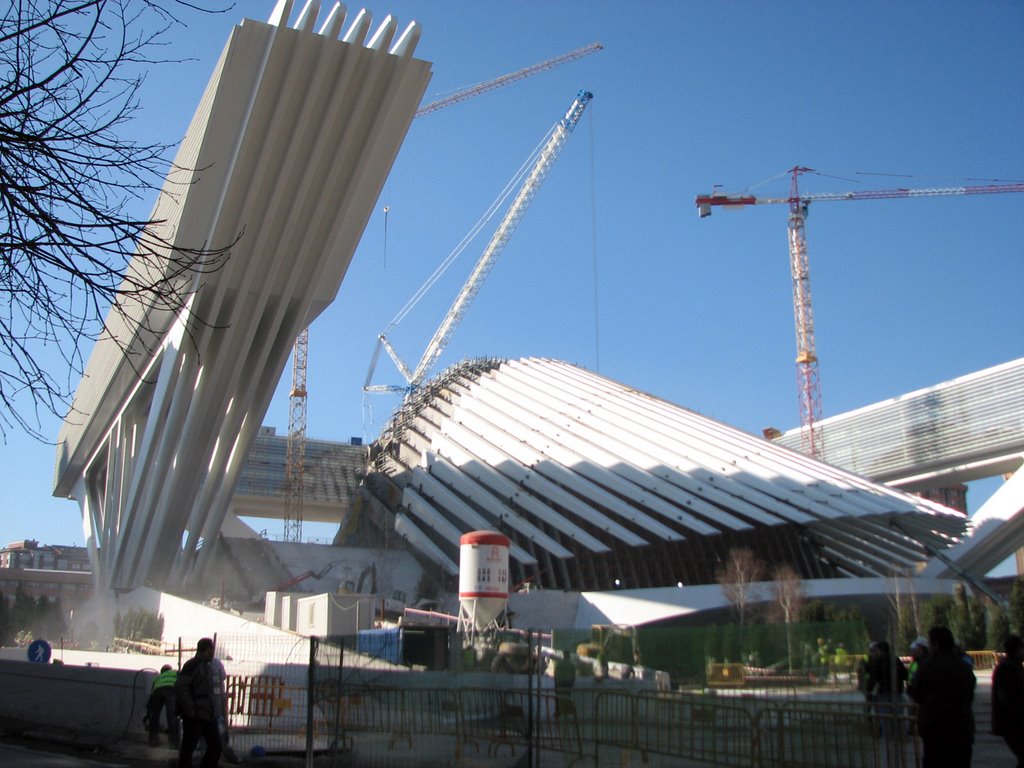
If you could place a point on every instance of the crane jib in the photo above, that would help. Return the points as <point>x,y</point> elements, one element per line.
<point>576,110</point>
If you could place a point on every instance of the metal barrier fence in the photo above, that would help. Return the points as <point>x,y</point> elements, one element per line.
<point>841,734</point>
<point>503,727</point>
<point>700,728</point>
<point>321,698</point>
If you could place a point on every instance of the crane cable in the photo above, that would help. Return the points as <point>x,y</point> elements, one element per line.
<point>593,242</point>
<point>509,188</point>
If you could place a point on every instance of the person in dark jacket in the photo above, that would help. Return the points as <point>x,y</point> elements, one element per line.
<point>885,676</point>
<point>1008,697</point>
<point>162,697</point>
<point>944,690</point>
<point>194,690</point>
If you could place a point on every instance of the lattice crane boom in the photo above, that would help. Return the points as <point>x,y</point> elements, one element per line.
<point>501,236</point>
<point>809,383</point>
<point>706,202</point>
<point>511,77</point>
<point>538,172</point>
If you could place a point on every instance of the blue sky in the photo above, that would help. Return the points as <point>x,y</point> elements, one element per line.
<point>611,268</point>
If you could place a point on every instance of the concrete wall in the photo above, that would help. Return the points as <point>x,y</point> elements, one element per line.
<point>94,705</point>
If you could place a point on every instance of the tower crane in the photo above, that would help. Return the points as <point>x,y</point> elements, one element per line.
<point>545,159</point>
<point>808,381</point>
<point>297,401</point>
<point>295,458</point>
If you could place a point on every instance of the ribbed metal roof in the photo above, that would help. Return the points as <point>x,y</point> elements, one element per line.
<point>964,429</point>
<point>584,473</point>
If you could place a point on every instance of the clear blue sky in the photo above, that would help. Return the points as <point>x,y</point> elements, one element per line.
<point>907,293</point>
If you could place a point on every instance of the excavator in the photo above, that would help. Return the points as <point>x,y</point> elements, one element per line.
<point>284,586</point>
<point>369,571</point>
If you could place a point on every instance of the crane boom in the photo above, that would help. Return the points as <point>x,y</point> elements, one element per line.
<point>501,236</point>
<point>511,77</point>
<point>705,203</point>
<point>808,381</point>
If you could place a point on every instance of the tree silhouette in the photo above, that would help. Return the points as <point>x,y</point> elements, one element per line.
<point>788,592</point>
<point>71,245</point>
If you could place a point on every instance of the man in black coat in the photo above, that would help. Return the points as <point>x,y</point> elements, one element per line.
<point>194,690</point>
<point>944,690</point>
<point>1008,697</point>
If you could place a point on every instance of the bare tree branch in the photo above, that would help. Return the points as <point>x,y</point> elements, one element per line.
<point>738,577</point>
<point>70,74</point>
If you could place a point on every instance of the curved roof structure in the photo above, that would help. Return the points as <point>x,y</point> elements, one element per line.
<point>600,486</point>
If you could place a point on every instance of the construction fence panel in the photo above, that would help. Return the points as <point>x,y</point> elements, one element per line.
<point>442,726</point>
<point>343,702</point>
<point>699,728</point>
<point>798,734</point>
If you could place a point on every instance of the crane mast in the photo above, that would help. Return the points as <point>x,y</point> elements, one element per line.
<point>808,381</point>
<point>295,460</point>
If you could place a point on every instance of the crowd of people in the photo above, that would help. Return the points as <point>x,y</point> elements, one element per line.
<point>940,679</point>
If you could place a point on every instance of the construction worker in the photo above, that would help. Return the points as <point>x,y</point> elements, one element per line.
<point>918,653</point>
<point>198,708</point>
<point>824,656</point>
<point>840,661</point>
<point>162,696</point>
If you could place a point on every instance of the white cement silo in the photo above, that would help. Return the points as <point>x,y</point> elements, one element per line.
<point>483,580</point>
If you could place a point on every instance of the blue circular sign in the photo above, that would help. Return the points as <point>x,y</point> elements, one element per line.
<point>39,651</point>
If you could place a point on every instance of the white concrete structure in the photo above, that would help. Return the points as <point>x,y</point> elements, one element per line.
<point>282,164</point>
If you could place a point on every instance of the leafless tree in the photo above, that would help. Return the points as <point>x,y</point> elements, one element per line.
<point>70,181</point>
<point>787,589</point>
<point>738,577</point>
<point>905,616</point>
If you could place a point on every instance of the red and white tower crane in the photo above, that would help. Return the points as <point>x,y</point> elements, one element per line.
<point>808,381</point>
